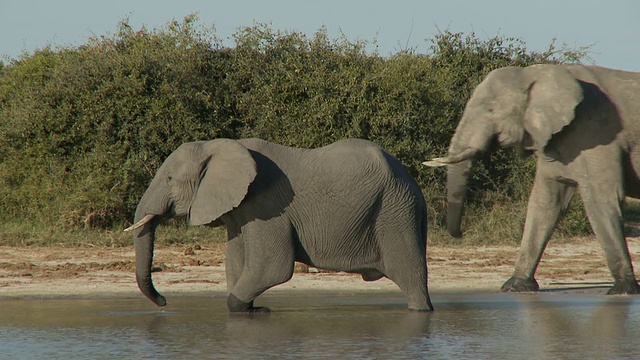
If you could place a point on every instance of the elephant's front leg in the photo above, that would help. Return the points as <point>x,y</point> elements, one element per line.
<point>234,266</point>
<point>263,258</point>
<point>547,199</point>
<point>234,262</point>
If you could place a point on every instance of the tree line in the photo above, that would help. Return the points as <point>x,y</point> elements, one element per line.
<point>83,129</point>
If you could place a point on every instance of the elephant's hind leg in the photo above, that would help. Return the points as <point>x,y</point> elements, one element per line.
<point>603,207</point>
<point>413,285</point>
<point>405,264</point>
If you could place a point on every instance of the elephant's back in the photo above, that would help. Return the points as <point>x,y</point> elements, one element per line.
<point>353,145</point>
<point>371,159</point>
<point>340,166</point>
<point>358,172</point>
<point>349,161</point>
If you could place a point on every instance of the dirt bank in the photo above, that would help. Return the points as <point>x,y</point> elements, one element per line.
<point>89,272</point>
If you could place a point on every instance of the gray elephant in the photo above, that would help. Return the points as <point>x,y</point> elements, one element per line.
<point>349,206</point>
<point>583,122</point>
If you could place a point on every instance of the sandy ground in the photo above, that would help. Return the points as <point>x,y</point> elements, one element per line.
<point>43,272</point>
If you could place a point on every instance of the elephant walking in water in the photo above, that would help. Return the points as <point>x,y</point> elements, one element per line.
<point>583,122</point>
<point>348,206</point>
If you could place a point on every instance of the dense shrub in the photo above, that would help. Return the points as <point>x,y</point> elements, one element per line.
<point>83,129</point>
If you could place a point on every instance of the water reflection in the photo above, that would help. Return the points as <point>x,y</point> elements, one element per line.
<point>598,326</point>
<point>366,326</point>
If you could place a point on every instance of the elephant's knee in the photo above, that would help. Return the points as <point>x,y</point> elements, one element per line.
<point>371,275</point>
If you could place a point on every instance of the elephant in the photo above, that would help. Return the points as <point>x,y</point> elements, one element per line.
<point>349,206</point>
<point>583,124</point>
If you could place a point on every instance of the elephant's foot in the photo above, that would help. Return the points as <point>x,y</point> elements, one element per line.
<point>627,286</point>
<point>517,284</point>
<point>238,306</point>
<point>423,308</point>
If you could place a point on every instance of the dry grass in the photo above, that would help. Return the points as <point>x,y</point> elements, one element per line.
<point>501,225</point>
<point>171,233</point>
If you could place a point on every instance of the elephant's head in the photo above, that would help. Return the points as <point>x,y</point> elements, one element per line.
<point>202,180</point>
<point>515,107</point>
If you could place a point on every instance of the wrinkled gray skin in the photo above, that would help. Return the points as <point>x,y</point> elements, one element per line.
<point>583,123</point>
<point>348,206</point>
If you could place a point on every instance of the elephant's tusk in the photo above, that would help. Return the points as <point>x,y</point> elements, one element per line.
<point>436,162</point>
<point>140,223</point>
<point>453,159</point>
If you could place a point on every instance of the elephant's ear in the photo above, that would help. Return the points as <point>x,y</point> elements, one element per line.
<point>227,171</point>
<point>552,99</point>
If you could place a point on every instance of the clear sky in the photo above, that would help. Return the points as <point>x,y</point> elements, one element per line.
<point>613,26</point>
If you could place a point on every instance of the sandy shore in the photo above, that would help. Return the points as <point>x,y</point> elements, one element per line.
<point>92,272</point>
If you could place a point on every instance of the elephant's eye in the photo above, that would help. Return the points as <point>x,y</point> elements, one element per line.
<point>169,178</point>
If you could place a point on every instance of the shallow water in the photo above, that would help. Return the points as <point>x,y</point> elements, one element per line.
<point>325,325</point>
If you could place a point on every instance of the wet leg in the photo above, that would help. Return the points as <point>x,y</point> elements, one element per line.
<point>405,264</point>
<point>268,261</point>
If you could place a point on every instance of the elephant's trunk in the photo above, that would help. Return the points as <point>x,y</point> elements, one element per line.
<point>143,243</point>
<point>148,215</point>
<point>471,139</point>
<point>457,177</point>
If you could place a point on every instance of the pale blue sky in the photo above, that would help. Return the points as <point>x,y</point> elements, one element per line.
<point>612,25</point>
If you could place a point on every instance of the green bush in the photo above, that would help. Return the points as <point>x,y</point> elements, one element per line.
<point>86,128</point>
<point>83,129</point>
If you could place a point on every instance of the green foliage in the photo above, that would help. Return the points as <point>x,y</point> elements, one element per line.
<point>83,130</point>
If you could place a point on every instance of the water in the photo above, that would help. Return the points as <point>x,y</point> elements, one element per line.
<point>325,325</point>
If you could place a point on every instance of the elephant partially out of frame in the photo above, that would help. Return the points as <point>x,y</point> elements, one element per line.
<point>349,206</point>
<point>583,122</point>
